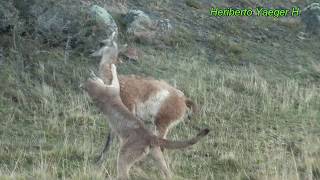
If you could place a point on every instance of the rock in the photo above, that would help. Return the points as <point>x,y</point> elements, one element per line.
<point>69,23</point>
<point>116,8</point>
<point>164,27</point>
<point>275,44</point>
<point>193,3</point>
<point>146,30</point>
<point>137,21</point>
<point>130,54</point>
<point>104,17</point>
<point>311,18</point>
<point>2,58</point>
<point>8,16</point>
<point>302,36</point>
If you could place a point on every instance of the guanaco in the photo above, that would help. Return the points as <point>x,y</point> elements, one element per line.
<point>136,141</point>
<point>147,98</point>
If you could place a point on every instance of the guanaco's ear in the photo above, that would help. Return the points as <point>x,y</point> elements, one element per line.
<point>123,47</point>
<point>114,70</point>
<point>115,81</point>
<point>113,35</point>
<point>109,40</point>
<point>97,80</point>
<point>98,52</point>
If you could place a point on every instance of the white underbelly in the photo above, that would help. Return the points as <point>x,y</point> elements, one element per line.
<point>148,110</point>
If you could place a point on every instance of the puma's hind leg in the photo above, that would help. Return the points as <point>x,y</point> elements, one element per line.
<point>129,153</point>
<point>159,158</point>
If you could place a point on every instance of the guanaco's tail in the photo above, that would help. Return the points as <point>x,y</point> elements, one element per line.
<point>167,144</point>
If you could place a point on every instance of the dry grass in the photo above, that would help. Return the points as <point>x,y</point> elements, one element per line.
<point>264,115</point>
<point>260,129</point>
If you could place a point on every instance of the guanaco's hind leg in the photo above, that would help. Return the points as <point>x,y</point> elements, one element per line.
<point>161,131</point>
<point>170,114</point>
<point>106,147</point>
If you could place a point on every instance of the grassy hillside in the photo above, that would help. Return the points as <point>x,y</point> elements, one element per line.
<point>256,83</point>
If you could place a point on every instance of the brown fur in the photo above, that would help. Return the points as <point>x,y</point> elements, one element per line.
<point>135,140</point>
<point>136,89</point>
<point>137,95</point>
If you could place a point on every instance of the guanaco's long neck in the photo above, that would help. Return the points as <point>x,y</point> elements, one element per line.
<point>105,72</point>
<point>105,67</point>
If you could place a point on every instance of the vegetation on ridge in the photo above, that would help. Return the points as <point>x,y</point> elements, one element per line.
<point>256,83</point>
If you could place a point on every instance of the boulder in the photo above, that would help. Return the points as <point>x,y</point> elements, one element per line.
<point>104,17</point>
<point>68,23</point>
<point>137,21</point>
<point>311,18</point>
<point>163,27</point>
<point>2,57</point>
<point>141,27</point>
<point>130,54</point>
<point>8,16</point>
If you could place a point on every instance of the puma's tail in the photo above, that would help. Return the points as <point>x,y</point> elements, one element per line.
<point>168,144</point>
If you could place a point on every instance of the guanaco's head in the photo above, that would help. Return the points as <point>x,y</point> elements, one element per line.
<point>109,50</point>
<point>111,41</point>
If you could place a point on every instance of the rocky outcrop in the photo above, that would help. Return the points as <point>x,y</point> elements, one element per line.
<point>8,16</point>
<point>145,29</point>
<point>311,18</point>
<point>67,23</point>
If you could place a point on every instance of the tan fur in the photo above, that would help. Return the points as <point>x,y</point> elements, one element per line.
<point>149,99</point>
<point>137,91</point>
<point>135,140</point>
